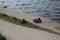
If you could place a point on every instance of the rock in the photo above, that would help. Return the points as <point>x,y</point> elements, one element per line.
<point>5,7</point>
<point>37,20</point>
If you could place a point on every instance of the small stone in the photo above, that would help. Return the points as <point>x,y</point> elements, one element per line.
<point>5,7</point>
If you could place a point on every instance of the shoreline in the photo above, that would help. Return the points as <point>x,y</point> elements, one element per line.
<point>13,20</point>
<point>47,23</point>
<point>16,31</point>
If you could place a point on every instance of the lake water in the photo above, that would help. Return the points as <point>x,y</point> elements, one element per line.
<point>44,8</point>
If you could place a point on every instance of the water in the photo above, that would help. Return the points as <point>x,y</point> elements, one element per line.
<point>28,6</point>
<point>46,8</point>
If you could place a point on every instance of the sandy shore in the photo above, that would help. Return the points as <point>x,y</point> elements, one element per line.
<point>47,23</point>
<point>15,32</point>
